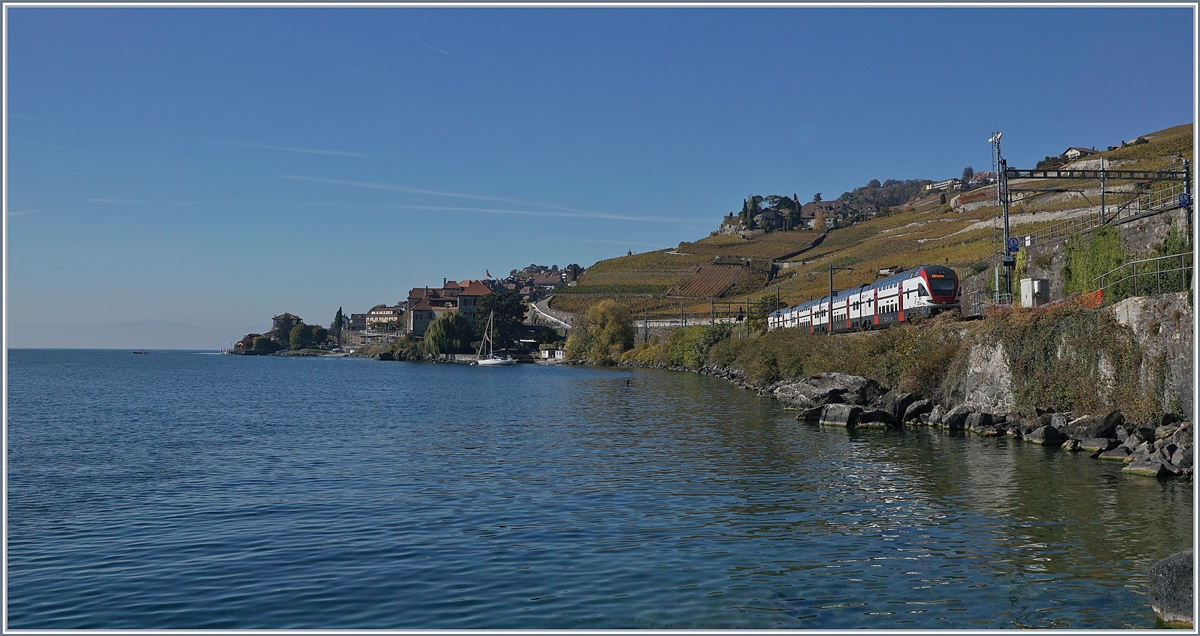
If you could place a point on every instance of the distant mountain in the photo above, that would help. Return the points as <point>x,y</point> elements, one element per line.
<point>143,334</point>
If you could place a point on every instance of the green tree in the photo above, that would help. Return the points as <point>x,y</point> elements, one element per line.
<point>300,336</point>
<point>319,334</point>
<point>606,333</point>
<point>450,333</point>
<point>968,172</point>
<point>508,310</point>
<point>338,320</point>
<point>264,343</point>
<point>817,198</point>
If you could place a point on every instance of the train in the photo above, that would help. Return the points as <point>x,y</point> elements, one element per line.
<point>921,291</point>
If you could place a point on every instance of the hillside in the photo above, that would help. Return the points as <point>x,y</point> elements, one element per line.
<point>921,231</point>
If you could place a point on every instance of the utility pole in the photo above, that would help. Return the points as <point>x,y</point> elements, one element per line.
<point>829,318</point>
<point>1187,201</point>
<point>1103,174</point>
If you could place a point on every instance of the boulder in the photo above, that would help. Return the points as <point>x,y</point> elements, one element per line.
<point>1171,588</point>
<point>810,415</point>
<point>1182,457</point>
<point>935,415</point>
<point>1163,432</point>
<point>875,418</point>
<point>1094,427</point>
<point>826,388</point>
<point>1059,420</point>
<point>1071,445</point>
<point>978,422</point>
<point>957,417</point>
<point>1040,421</point>
<point>1098,444</point>
<point>896,403</point>
<point>840,415</point>
<point>1120,454</point>
<point>1046,436</point>
<point>1151,467</point>
<point>916,410</point>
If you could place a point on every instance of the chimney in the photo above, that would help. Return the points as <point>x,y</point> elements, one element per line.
<point>443,282</point>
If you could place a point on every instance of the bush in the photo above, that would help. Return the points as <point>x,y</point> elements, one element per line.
<point>300,336</point>
<point>452,332</point>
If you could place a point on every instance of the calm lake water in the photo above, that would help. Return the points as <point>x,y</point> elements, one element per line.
<point>188,490</point>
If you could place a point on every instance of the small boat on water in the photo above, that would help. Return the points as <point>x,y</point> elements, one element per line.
<point>143,352</point>
<point>491,359</point>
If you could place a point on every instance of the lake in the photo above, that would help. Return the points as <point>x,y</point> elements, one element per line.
<point>186,490</point>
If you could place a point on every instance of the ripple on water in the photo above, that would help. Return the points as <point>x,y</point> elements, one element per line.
<point>222,492</point>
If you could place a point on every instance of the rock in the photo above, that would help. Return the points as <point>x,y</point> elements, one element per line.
<point>1101,444</point>
<point>936,414</point>
<point>810,415</point>
<point>1059,420</point>
<point>1119,453</point>
<point>1182,457</point>
<point>1134,440</point>
<point>1094,427</point>
<point>875,418</point>
<point>1151,467</point>
<point>1122,434</point>
<point>987,382</point>
<point>1071,445</point>
<point>957,417</point>
<point>826,388</point>
<point>1046,436</point>
<point>1169,418</point>
<point>1163,432</point>
<point>1183,436</point>
<point>1171,588</point>
<point>896,403</point>
<point>978,421</point>
<point>916,410</point>
<point>1041,420</point>
<point>840,415</point>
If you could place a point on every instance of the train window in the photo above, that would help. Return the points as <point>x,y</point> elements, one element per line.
<point>942,286</point>
<point>921,290</point>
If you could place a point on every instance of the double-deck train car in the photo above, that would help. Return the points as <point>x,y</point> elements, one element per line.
<point>921,291</point>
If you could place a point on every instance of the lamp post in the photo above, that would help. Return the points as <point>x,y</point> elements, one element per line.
<point>829,318</point>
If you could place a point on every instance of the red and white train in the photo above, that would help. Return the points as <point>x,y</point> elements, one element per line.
<point>922,291</point>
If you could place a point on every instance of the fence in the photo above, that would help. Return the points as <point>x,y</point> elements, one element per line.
<point>1146,203</point>
<point>1159,275</point>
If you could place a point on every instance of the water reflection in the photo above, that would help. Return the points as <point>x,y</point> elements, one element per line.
<point>375,495</point>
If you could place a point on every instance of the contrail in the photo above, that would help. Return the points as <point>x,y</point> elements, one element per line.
<point>431,46</point>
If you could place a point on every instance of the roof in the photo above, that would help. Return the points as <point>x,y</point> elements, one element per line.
<point>475,288</point>
<point>286,316</point>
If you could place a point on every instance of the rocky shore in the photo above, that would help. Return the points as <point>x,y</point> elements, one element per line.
<point>1164,450</point>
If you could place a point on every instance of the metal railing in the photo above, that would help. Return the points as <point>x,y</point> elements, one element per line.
<point>1148,202</point>
<point>980,300</point>
<point>1162,274</point>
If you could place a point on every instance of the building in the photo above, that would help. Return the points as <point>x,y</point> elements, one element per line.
<point>948,184</point>
<point>284,322</point>
<point>1071,154</point>
<point>769,220</point>
<point>384,317</point>
<point>469,295</point>
<point>357,322</point>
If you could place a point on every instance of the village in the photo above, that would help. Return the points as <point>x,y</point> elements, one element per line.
<point>409,318</point>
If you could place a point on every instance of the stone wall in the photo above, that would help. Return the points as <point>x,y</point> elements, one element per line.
<point>1161,325</point>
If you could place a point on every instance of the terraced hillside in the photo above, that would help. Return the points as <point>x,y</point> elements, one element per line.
<point>923,231</point>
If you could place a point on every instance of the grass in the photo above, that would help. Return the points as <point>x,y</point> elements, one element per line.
<point>921,232</point>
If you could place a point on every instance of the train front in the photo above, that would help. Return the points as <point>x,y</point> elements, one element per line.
<point>940,291</point>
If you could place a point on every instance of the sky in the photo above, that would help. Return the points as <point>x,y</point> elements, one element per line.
<point>203,169</point>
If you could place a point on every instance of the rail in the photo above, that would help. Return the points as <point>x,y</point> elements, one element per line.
<point>1169,273</point>
<point>980,300</point>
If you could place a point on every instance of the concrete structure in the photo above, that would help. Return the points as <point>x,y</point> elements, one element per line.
<point>1035,292</point>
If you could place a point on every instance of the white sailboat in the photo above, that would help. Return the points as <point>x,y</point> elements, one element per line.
<point>491,359</point>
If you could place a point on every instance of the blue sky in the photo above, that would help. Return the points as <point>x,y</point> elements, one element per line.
<point>219,166</point>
